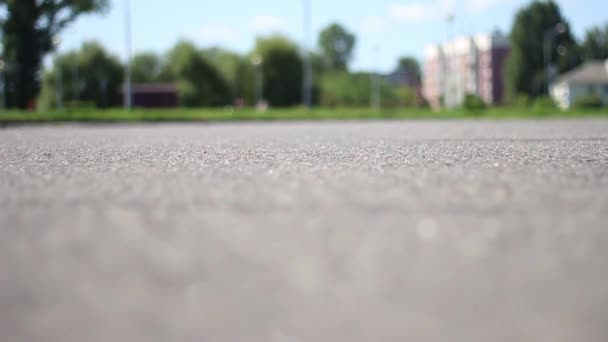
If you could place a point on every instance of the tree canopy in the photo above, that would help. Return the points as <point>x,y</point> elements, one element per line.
<point>282,70</point>
<point>29,28</point>
<point>227,64</point>
<point>525,71</point>
<point>90,75</point>
<point>198,82</point>
<point>410,69</point>
<point>147,67</point>
<point>337,46</point>
<point>595,44</point>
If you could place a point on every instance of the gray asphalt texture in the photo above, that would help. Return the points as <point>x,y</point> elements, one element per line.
<point>329,231</point>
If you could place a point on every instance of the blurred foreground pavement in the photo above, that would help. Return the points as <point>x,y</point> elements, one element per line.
<point>329,231</point>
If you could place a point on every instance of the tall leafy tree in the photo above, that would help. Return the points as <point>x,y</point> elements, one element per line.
<point>245,77</point>
<point>147,67</point>
<point>199,83</point>
<point>282,70</point>
<point>408,69</point>
<point>525,70</point>
<point>595,44</point>
<point>90,75</point>
<point>28,28</point>
<point>337,46</point>
<point>227,64</point>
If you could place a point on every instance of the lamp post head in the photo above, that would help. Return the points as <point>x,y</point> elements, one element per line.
<point>56,40</point>
<point>560,28</point>
<point>257,60</point>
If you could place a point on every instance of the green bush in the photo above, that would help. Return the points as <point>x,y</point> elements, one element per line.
<point>342,89</point>
<point>473,103</point>
<point>521,101</point>
<point>402,96</point>
<point>588,102</point>
<point>80,105</point>
<point>544,104</point>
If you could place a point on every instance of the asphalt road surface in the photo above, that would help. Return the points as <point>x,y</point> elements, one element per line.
<point>332,231</point>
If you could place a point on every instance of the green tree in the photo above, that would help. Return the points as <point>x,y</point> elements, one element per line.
<point>318,70</point>
<point>318,64</point>
<point>28,28</point>
<point>147,68</point>
<point>525,69</point>
<point>595,44</point>
<point>198,82</point>
<point>282,70</point>
<point>244,87</point>
<point>227,64</point>
<point>409,69</point>
<point>89,75</point>
<point>337,46</point>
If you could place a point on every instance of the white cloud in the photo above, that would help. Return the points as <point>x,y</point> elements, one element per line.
<point>438,9</point>
<point>410,12</point>
<point>446,6</point>
<point>219,34</point>
<point>267,24</point>
<point>373,24</point>
<point>477,6</point>
<point>422,11</point>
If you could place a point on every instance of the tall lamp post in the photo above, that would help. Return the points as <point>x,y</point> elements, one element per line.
<point>2,84</point>
<point>128,96</point>
<point>449,19</point>
<point>548,38</point>
<point>307,80</point>
<point>257,61</point>
<point>75,82</point>
<point>448,97</point>
<point>58,74</point>
<point>375,102</point>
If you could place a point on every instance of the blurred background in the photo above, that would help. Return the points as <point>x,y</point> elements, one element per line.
<point>437,54</point>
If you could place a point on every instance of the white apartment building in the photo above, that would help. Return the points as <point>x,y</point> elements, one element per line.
<point>466,65</point>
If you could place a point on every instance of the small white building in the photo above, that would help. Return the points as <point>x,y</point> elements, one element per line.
<point>590,78</point>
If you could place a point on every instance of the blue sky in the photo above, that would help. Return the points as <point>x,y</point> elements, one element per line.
<point>396,27</point>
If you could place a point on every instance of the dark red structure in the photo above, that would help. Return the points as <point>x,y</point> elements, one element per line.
<point>499,59</point>
<point>154,95</point>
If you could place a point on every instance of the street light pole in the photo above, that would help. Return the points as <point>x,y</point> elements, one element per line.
<point>3,84</point>
<point>375,84</point>
<point>260,84</point>
<point>75,82</point>
<point>307,80</point>
<point>58,74</point>
<point>548,38</point>
<point>447,59</point>
<point>127,91</point>
<point>450,25</point>
<point>257,61</point>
